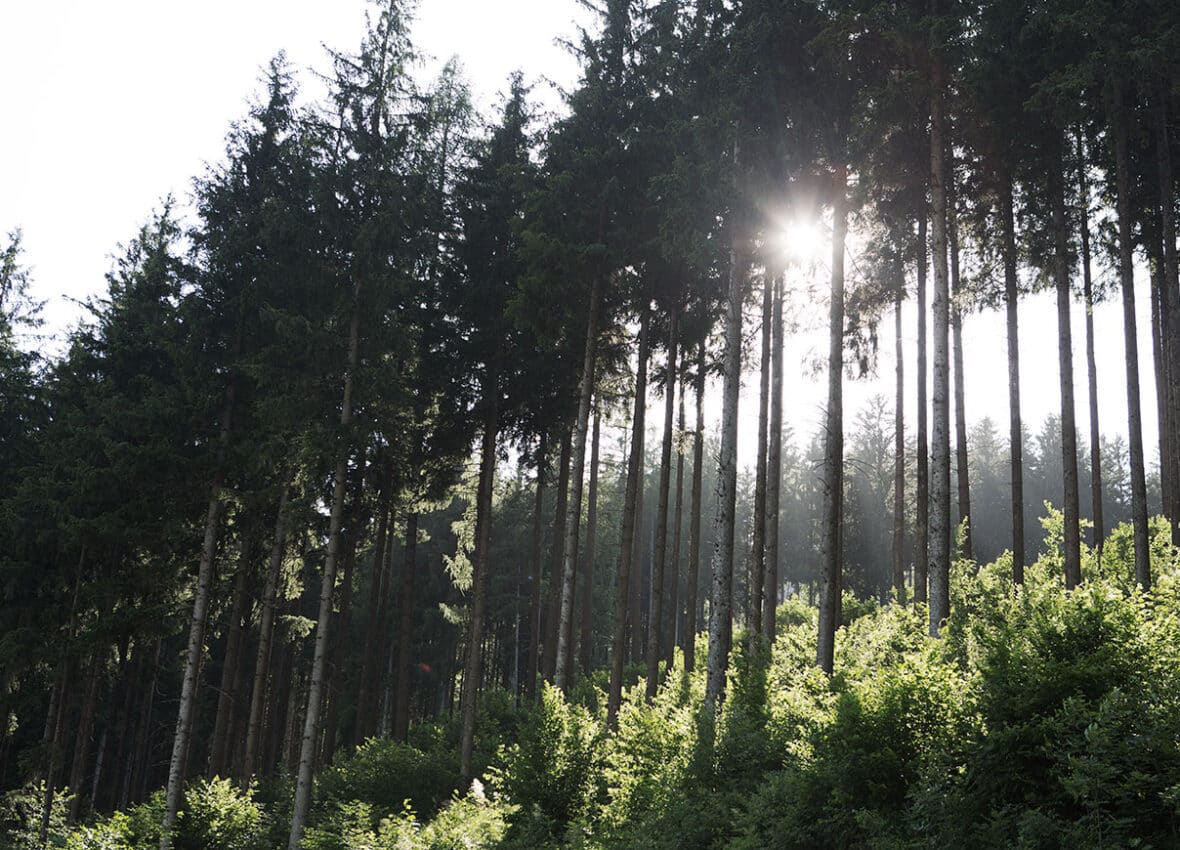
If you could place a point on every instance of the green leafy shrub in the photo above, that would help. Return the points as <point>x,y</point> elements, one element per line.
<point>380,778</point>
<point>551,771</point>
<point>21,817</point>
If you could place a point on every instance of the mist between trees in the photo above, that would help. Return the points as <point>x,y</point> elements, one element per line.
<point>338,522</point>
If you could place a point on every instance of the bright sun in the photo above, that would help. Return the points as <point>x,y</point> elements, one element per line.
<point>802,243</point>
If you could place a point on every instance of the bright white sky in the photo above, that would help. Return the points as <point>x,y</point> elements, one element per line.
<point>110,106</point>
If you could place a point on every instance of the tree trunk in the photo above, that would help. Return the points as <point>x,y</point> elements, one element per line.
<point>692,582</point>
<point>940,475</point>
<point>774,465</point>
<point>227,694</point>
<point>922,484</point>
<point>833,493</point>
<point>627,539</point>
<point>365,702</point>
<point>1069,449</point>
<point>266,627</point>
<point>311,720</point>
<point>587,643</point>
<point>721,607</point>
<point>553,602</point>
<point>1169,306</point>
<point>84,733</point>
<point>674,619</point>
<point>899,447</point>
<point>1098,531</point>
<point>1131,340</point>
<point>405,631</point>
<point>758,543</point>
<point>532,668</point>
<point>479,580</point>
<point>196,633</point>
<point>563,675</point>
<point>1015,429</point>
<point>655,629</point>
<point>962,467</point>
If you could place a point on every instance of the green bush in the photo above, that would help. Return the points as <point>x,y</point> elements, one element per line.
<point>215,814</point>
<point>551,771</point>
<point>21,817</point>
<point>381,778</point>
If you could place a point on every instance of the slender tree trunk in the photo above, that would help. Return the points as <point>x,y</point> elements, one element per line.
<point>83,735</point>
<point>922,484</point>
<point>563,675</point>
<point>341,629</point>
<point>266,627</point>
<point>774,465</point>
<point>1069,434</point>
<point>627,541</point>
<point>1169,304</point>
<point>405,631</point>
<point>553,603</point>
<point>1015,428</point>
<point>588,555</point>
<point>365,702</point>
<point>532,668</point>
<point>693,581</point>
<point>1166,450</point>
<point>833,494</point>
<point>899,448</point>
<point>227,694</point>
<point>674,619</point>
<point>655,628</point>
<point>758,543</point>
<point>1131,339</point>
<point>1099,533</point>
<point>721,606</point>
<point>962,467</point>
<point>311,720</point>
<point>472,671</point>
<point>196,633</point>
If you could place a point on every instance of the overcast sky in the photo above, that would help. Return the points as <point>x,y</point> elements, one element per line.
<point>110,106</point>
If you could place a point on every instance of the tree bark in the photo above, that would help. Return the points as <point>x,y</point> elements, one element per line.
<point>83,735</point>
<point>311,720</point>
<point>940,475</point>
<point>627,539</point>
<point>1169,304</point>
<point>655,629</point>
<point>1015,428</point>
<point>587,642</point>
<point>774,465</point>
<point>833,492</point>
<point>962,466</point>
<point>721,607</point>
<point>692,582</point>
<point>1069,449</point>
<point>227,693</point>
<point>266,627</point>
<point>922,484</point>
<point>367,688</point>
<point>675,620</point>
<point>533,665</point>
<point>758,542</point>
<point>563,674</point>
<point>196,633</point>
<point>400,727</point>
<point>899,448</point>
<point>557,552</point>
<point>1131,340</point>
<point>1098,531</point>
<point>479,581</point>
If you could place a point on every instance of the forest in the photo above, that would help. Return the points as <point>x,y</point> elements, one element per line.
<point>394,495</point>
